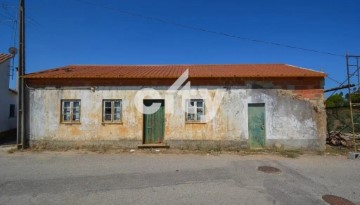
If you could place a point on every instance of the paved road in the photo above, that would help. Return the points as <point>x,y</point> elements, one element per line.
<point>145,178</point>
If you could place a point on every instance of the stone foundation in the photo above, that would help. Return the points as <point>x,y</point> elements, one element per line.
<point>204,145</point>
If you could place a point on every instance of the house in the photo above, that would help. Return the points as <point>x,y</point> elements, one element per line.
<point>182,106</point>
<point>8,99</point>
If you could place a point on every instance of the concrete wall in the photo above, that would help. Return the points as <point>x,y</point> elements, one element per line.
<point>6,98</point>
<point>295,119</point>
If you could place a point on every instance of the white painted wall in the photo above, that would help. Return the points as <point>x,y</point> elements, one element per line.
<point>6,98</point>
<point>288,120</point>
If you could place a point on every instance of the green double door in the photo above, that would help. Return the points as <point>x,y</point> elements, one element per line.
<point>256,124</point>
<point>154,124</point>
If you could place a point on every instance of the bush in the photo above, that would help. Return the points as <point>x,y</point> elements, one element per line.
<point>335,100</point>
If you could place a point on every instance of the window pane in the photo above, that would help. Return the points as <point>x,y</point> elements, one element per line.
<point>108,111</point>
<point>76,104</point>
<point>191,110</point>
<point>199,117</point>
<point>190,116</point>
<point>66,117</point>
<point>200,103</point>
<point>107,117</point>
<point>66,104</point>
<point>76,116</point>
<point>66,112</point>
<point>117,104</point>
<point>76,111</point>
<point>66,109</point>
<point>107,104</point>
<point>117,117</point>
<point>117,110</point>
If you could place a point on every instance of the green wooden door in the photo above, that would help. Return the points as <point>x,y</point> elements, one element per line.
<point>256,123</point>
<point>154,124</point>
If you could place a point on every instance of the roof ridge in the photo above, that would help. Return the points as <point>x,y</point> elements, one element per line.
<point>47,70</point>
<point>147,65</point>
<point>306,68</point>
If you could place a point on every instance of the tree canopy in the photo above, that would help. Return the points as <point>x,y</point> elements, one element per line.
<point>335,100</point>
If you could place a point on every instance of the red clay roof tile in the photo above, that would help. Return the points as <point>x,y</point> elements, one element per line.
<point>174,71</point>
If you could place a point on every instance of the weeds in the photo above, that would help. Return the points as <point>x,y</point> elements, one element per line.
<point>291,153</point>
<point>11,151</point>
<point>331,150</point>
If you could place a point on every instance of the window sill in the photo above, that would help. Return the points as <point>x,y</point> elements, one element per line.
<point>194,122</point>
<point>70,123</point>
<point>112,123</point>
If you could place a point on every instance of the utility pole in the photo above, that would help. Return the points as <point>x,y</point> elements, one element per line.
<point>21,141</point>
<point>352,61</point>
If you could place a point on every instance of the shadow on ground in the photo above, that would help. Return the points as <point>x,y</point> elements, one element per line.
<point>8,137</point>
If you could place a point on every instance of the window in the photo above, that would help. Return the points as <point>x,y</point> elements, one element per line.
<point>12,111</point>
<point>195,110</point>
<point>112,111</point>
<point>70,111</point>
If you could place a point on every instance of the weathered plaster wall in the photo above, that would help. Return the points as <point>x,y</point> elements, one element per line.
<point>291,119</point>
<point>6,98</point>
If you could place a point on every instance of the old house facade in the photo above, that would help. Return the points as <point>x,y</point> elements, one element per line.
<point>210,106</point>
<point>8,98</point>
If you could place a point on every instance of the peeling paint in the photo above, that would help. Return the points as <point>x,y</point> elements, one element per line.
<point>288,117</point>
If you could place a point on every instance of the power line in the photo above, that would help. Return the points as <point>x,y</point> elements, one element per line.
<point>151,18</point>
<point>334,80</point>
<point>341,84</point>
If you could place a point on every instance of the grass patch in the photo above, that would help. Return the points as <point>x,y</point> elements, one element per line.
<point>12,150</point>
<point>291,153</point>
<point>335,151</point>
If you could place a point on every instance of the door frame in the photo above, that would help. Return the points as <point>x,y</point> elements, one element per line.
<point>143,119</point>
<point>265,124</point>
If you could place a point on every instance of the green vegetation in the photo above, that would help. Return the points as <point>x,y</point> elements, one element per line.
<point>338,112</point>
<point>338,119</point>
<point>295,153</point>
<point>335,100</point>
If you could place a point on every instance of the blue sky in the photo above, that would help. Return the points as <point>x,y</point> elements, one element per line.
<point>62,32</point>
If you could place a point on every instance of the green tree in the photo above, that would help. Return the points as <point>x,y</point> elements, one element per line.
<point>355,98</point>
<point>335,100</point>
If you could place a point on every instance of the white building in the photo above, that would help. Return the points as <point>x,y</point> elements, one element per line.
<point>259,105</point>
<point>8,98</point>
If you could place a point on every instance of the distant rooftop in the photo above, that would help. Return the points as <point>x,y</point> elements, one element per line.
<point>4,57</point>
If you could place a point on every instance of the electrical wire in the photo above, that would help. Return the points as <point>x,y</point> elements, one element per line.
<point>351,75</point>
<point>216,33</point>
<point>334,80</point>
<point>151,18</point>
